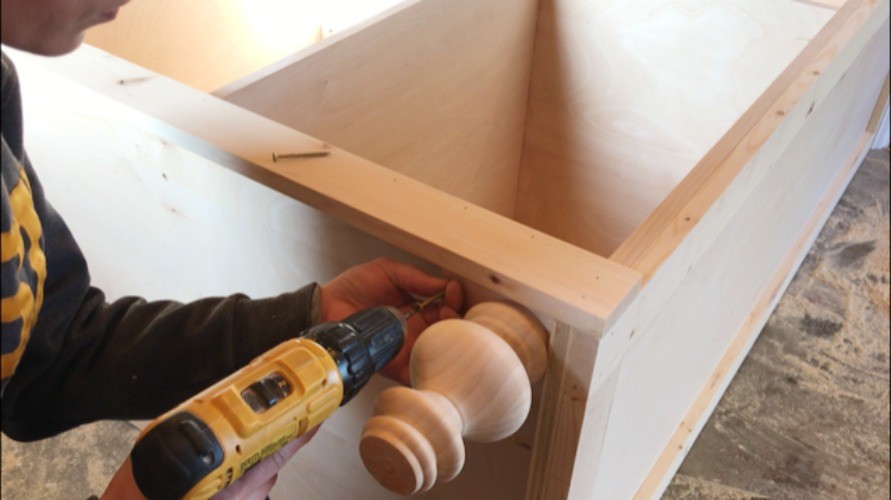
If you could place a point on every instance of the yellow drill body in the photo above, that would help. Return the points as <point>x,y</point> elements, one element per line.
<point>247,437</point>
<point>209,441</point>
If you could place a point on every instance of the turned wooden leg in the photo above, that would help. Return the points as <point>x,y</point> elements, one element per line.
<point>471,380</point>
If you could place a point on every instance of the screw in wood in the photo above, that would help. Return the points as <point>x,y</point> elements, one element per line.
<point>304,154</point>
<point>420,305</point>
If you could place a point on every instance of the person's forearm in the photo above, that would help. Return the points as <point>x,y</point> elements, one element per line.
<point>133,360</point>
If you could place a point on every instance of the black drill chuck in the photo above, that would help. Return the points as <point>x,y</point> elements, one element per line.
<point>361,344</point>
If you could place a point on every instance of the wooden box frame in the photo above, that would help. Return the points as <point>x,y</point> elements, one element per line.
<point>651,309</point>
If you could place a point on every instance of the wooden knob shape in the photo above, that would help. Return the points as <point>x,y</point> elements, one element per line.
<point>471,379</point>
<point>517,326</point>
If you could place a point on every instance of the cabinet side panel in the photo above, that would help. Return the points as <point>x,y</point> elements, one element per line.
<point>627,97</point>
<point>676,351</point>
<point>680,444</point>
<point>436,91</point>
<point>689,232</point>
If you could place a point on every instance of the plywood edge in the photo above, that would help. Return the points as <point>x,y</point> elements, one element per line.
<point>655,240</point>
<point>311,50</point>
<point>882,135</point>
<point>512,260</point>
<point>681,442</point>
<point>879,110</point>
<point>556,430</point>
<point>572,417</point>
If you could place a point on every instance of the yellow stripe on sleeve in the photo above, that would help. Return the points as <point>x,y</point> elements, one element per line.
<point>27,301</point>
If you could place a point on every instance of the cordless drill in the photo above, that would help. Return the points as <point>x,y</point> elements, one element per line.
<point>209,441</point>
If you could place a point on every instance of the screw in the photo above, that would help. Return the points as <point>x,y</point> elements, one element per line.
<point>420,305</point>
<point>305,154</point>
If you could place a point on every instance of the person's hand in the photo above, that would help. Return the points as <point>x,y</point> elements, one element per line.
<point>387,283</point>
<point>256,483</point>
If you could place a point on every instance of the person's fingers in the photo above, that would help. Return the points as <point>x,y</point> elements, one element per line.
<point>405,376</point>
<point>277,460</point>
<point>449,306</point>
<point>454,296</point>
<point>258,477</point>
<point>430,315</point>
<point>386,282</point>
<point>410,279</point>
<point>123,485</point>
<point>262,492</point>
<point>448,313</point>
<point>395,369</point>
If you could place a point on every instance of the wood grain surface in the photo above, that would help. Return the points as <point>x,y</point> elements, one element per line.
<point>627,97</point>
<point>436,91</point>
<point>211,43</point>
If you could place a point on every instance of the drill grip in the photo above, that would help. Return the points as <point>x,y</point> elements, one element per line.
<point>180,451</point>
<point>211,440</point>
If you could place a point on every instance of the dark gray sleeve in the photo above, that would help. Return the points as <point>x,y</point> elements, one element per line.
<point>133,359</point>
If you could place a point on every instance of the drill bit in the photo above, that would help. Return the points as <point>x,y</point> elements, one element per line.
<point>420,305</point>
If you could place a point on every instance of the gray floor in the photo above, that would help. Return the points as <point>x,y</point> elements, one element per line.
<point>806,417</point>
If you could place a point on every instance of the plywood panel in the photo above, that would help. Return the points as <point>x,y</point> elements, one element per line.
<point>210,43</point>
<point>656,389</point>
<point>681,442</point>
<point>436,91</point>
<point>626,97</point>
<point>680,232</point>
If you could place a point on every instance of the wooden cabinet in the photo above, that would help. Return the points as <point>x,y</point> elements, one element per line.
<point>645,176</point>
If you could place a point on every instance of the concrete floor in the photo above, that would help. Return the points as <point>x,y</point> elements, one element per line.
<point>807,416</point>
